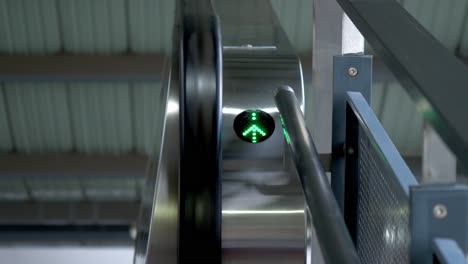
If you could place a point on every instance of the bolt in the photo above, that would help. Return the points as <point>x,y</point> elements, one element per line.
<point>352,71</point>
<point>440,211</point>
<point>350,151</point>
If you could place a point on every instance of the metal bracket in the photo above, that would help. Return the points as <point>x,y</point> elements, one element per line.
<point>447,251</point>
<point>351,73</point>
<point>437,211</point>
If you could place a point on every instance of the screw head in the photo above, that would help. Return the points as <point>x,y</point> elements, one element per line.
<point>352,71</point>
<point>440,211</point>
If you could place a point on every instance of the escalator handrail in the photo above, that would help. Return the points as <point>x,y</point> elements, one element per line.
<point>332,233</point>
<point>200,133</point>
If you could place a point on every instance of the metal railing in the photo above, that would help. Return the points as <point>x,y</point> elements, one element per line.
<point>447,251</point>
<point>388,216</point>
<point>377,188</point>
<point>432,75</point>
<point>328,221</point>
<point>391,219</point>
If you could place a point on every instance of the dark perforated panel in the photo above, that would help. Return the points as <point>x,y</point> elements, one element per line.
<point>383,215</point>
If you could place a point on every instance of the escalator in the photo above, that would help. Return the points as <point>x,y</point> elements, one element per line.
<point>223,187</point>
<point>238,177</point>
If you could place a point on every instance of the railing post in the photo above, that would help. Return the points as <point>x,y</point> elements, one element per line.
<point>437,211</point>
<point>351,73</point>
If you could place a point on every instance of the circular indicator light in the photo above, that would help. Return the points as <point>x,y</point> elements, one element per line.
<point>254,126</point>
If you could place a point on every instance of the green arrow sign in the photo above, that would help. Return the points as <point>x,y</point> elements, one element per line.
<point>253,131</point>
<point>254,126</point>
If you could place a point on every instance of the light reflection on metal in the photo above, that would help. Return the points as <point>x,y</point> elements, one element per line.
<point>172,107</point>
<point>157,226</point>
<point>394,235</point>
<point>236,111</point>
<point>249,47</point>
<point>262,212</point>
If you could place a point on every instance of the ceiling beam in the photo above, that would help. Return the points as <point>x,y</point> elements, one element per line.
<point>69,212</point>
<point>72,235</point>
<point>69,177</point>
<point>77,68</point>
<point>84,68</point>
<point>63,165</point>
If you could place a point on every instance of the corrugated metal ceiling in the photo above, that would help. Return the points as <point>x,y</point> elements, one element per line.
<point>144,26</point>
<point>85,26</point>
<point>85,117</point>
<point>117,117</point>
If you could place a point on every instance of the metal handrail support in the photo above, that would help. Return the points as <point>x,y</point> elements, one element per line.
<point>328,221</point>
<point>432,76</point>
<point>447,251</point>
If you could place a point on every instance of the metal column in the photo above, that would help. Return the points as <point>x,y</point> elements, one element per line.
<point>351,73</point>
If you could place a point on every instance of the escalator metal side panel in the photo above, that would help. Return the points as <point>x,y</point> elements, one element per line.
<point>158,223</point>
<point>263,205</point>
<point>263,218</point>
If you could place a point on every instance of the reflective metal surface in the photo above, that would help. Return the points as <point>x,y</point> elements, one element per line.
<point>263,217</point>
<point>410,51</point>
<point>157,229</point>
<point>263,206</point>
<point>157,237</point>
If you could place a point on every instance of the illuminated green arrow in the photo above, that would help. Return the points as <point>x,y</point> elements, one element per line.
<point>253,130</point>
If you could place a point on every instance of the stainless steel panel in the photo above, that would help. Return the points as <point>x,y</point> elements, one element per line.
<point>263,206</point>
<point>263,218</point>
<point>158,224</point>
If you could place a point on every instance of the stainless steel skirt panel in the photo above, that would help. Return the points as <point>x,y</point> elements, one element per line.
<point>263,206</point>
<point>157,237</point>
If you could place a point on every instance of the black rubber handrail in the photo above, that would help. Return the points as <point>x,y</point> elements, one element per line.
<point>200,132</point>
<point>332,233</point>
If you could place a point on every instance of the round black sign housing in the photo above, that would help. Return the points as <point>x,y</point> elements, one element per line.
<point>254,126</point>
